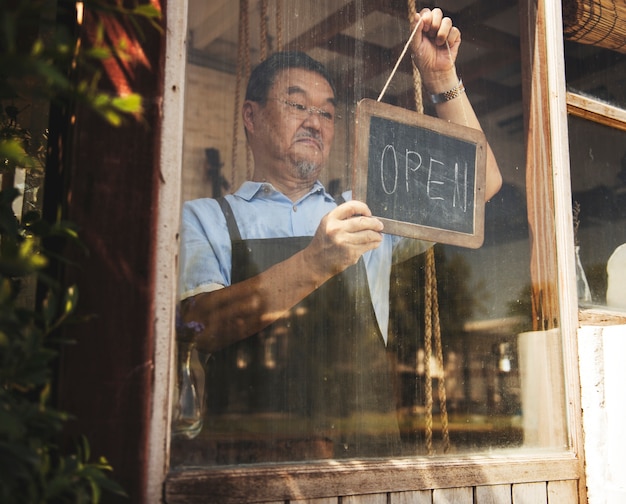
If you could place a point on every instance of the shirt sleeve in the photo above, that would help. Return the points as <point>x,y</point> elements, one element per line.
<point>205,250</point>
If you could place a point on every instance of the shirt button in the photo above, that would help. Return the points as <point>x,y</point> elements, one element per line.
<point>295,208</point>
<point>266,188</point>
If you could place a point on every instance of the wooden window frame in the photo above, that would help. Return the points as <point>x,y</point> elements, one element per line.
<point>596,111</point>
<point>359,477</point>
<point>600,112</point>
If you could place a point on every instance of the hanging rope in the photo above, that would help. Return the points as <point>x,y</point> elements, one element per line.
<point>263,31</point>
<point>428,351</point>
<point>247,66</point>
<point>431,312</point>
<point>417,78</point>
<point>243,20</point>
<point>244,68</point>
<point>279,25</point>
<point>243,13</point>
<point>431,285</point>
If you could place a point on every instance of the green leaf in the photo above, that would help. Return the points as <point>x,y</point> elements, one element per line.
<point>83,448</point>
<point>29,255</point>
<point>95,491</point>
<point>71,299</point>
<point>44,396</point>
<point>99,52</point>
<point>130,103</point>
<point>38,47</point>
<point>147,10</point>
<point>11,151</point>
<point>6,291</point>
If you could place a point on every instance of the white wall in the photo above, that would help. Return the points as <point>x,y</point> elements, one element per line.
<point>602,353</point>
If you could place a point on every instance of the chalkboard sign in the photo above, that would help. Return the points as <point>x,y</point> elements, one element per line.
<point>422,176</point>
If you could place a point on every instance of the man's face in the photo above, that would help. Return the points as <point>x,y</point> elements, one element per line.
<point>296,125</point>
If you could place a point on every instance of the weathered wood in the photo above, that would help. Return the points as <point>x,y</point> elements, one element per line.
<point>596,111</point>
<point>548,16</point>
<point>539,186</point>
<point>493,494</point>
<point>365,499</point>
<point>330,479</point>
<point>167,248</point>
<point>453,496</point>
<point>530,493</point>
<point>328,500</point>
<point>562,492</point>
<point>601,317</point>
<point>418,497</point>
<point>549,195</point>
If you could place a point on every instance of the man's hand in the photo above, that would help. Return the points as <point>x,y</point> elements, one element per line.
<point>433,57</point>
<point>344,235</point>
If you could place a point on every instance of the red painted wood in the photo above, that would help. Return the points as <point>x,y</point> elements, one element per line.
<point>112,177</point>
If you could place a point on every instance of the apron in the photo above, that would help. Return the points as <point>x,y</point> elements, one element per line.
<point>315,384</point>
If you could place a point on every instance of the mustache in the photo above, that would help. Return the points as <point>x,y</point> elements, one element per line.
<point>314,135</point>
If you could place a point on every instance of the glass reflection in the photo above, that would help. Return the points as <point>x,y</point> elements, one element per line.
<point>599,201</point>
<point>252,414</point>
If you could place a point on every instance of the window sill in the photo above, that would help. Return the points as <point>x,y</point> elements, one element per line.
<point>332,478</point>
<point>600,316</point>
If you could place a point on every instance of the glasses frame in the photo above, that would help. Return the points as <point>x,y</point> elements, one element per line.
<point>300,110</point>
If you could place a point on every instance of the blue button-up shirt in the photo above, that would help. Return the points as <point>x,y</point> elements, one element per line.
<point>263,212</point>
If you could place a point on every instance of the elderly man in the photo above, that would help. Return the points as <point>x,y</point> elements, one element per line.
<point>287,289</point>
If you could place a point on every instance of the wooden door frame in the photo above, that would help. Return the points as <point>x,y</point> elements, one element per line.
<point>167,245</point>
<point>545,90</point>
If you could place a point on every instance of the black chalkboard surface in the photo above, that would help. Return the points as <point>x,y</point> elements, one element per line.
<point>422,176</point>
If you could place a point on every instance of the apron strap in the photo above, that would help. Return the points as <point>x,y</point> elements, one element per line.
<point>233,229</point>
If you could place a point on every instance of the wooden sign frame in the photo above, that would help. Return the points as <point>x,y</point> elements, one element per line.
<point>468,138</point>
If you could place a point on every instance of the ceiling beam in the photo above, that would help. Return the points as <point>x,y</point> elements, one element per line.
<point>343,18</point>
<point>201,12</point>
<point>216,19</point>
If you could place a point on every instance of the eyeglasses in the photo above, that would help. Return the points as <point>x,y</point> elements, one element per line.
<point>302,111</point>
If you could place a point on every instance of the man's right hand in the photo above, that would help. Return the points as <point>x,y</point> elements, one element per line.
<point>343,236</point>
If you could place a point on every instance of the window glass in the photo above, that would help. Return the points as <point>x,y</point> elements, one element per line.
<point>386,358</point>
<point>598,173</point>
<point>596,72</point>
<point>598,166</point>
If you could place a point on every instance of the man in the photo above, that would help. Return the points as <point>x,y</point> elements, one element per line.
<point>287,289</point>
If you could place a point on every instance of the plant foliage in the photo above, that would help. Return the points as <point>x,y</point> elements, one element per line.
<point>39,61</point>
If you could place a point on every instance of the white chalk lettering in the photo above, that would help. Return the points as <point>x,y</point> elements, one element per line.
<point>460,189</point>
<point>441,183</point>
<point>382,169</point>
<point>408,168</point>
<point>431,181</point>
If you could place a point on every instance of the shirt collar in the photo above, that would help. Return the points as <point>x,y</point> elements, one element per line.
<point>250,190</point>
